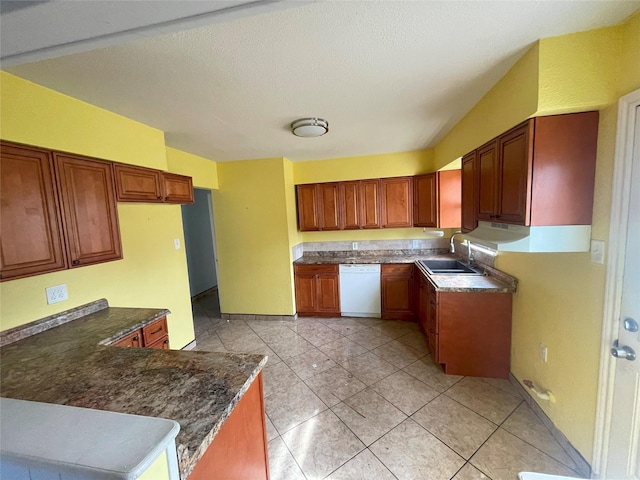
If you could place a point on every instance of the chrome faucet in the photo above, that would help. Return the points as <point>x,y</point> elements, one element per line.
<point>452,249</point>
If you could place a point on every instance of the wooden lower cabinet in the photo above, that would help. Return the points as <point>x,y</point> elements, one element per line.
<point>317,290</point>
<point>397,290</point>
<point>239,450</point>
<point>468,333</point>
<point>154,335</point>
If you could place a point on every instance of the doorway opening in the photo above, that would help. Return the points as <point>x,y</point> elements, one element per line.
<point>200,248</point>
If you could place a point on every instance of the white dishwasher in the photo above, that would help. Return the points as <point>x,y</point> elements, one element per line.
<point>360,291</point>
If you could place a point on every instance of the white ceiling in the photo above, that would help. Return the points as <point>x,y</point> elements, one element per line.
<point>388,75</point>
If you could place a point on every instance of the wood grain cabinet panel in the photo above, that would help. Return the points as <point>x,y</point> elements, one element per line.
<point>469,201</point>
<point>154,335</point>
<point>177,188</point>
<point>308,208</point>
<point>437,199</point>
<point>32,241</point>
<point>87,196</point>
<point>396,200</point>
<point>137,184</point>
<point>239,450</point>
<point>487,165</point>
<point>133,340</point>
<point>370,204</point>
<point>397,290</point>
<point>468,333</point>
<point>539,173</point>
<point>329,199</point>
<point>317,290</point>
<point>350,205</point>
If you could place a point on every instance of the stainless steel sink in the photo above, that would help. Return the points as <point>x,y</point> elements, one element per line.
<point>448,267</point>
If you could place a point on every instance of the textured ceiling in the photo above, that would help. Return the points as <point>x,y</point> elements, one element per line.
<point>388,75</point>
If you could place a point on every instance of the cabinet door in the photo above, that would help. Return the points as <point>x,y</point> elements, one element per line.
<point>397,291</point>
<point>515,163</point>
<point>308,212</point>
<point>425,201</point>
<point>370,203</point>
<point>155,331</point>
<point>160,344</point>
<point>423,304</point>
<point>349,204</point>
<point>137,184</point>
<point>305,293</point>
<point>487,168</point>
<point>469,221</point>
<point>132,340</point>
<point>87,195</point>
<point>329,211</point>
<point>328,294</point>
<point>449,196</point>
<point>31,242</point>
<point>396,200</point>
<point>177,188</point>
<point>433,321</point>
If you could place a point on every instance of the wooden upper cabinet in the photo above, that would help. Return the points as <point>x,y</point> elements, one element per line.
<point>396,202</point>
<point>468,214</point>
<point>31,240</point>
<point>328,197</point>
<point>425,200</point>
<point>137,184</point>
<point>487,167</point>
<point>370,204</point>
<point>513,176</point>
<point>177,188</point>
<point>436,199</point>
<point>87,197</point>
<point>308,207</point>
<point>350,205</point>
<point>539,173</point>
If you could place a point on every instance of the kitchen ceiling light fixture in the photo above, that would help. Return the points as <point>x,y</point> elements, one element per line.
<point>309,127</point>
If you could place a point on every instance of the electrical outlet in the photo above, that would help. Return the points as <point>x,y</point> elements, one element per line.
<point>597,251</point>
<point>354,245</point>
<point>176,243</point>
<point>543,353</point>
<point>57,293</point>
<point>415,244</point>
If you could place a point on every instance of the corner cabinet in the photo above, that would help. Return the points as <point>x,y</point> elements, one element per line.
<point>539,173</point>
<point>436,199</point>
<point>87,197</point>
<point>397,291</point>
<point>317,290</point>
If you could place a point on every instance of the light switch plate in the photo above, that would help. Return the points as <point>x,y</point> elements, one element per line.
<point>354,245</point>
<point>415,244</point>
<point>57,293</point>
<point>176,243</point>
<point>543,353</point>
<point>597,251</point>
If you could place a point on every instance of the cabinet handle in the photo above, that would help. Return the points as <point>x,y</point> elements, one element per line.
<point>156,331</point>
<point>159,197</point>
<point>75,262</point>
<point>166,342</point>
<point>136,338</point>
<point>167,197</point>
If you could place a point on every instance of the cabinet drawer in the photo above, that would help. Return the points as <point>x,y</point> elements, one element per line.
<point>155,331</point>
<point>396,269</point>
<point>160,344</point>
<point>327,268</point>
<point>131,340</point>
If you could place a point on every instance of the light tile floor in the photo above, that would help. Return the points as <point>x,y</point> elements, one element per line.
<point>354,398</point>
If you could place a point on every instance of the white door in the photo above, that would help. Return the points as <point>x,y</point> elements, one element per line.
<point>620,454</point>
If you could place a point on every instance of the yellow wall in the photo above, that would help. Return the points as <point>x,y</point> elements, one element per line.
<point>560,297</point>
<point>152,273</point>
<point>204,172</point>
<point>365,166</point>
<point>252,237</point>
<point>512,100</point>
<point>158,470</point>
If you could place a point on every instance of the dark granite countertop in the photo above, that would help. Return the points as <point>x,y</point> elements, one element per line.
<point>72,364</point>
<point>493,281</point>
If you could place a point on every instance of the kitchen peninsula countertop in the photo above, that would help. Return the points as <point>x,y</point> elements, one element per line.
<point>493,281</point>
<point>72,364</point>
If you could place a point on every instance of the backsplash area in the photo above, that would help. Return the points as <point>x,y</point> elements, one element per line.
<point>406,247</point>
